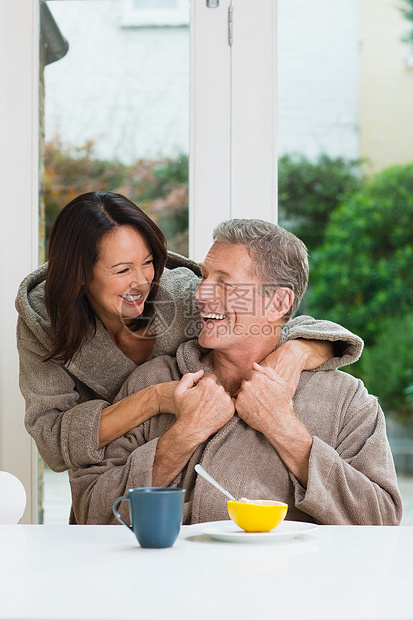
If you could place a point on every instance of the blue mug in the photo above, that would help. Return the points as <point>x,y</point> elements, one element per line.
<point>155,514</point>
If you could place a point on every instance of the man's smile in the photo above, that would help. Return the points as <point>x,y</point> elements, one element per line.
<point>213,315</point>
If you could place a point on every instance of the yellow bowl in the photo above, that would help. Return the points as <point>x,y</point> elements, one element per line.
<point>257,517</point>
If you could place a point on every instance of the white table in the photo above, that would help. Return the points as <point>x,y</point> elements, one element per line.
<point>99,572</point>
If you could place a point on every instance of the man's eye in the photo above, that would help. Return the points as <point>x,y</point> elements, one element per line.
<point>225,284</point>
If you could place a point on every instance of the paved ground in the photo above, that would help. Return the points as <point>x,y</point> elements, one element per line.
<point>57,498</point>
<point>406,490</point>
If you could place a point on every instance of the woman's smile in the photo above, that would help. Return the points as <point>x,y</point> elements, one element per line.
<point>133,299</point>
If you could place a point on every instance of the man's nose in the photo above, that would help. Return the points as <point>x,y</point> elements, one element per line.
<point>207,297</point>
<point>207,292</point>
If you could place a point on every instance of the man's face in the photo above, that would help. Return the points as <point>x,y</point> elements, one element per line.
<point>231,307</point>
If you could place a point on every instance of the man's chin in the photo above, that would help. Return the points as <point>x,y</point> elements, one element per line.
<point>203,341</point>
<point>208,339</point>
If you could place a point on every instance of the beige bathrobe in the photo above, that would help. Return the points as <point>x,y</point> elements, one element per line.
<point>351,480</point>
<point>64,404</point>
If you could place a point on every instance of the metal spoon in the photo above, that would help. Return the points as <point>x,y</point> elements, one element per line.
<point>200,470</point>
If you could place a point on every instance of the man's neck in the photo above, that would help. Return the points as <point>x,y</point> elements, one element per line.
<point>232,367</point>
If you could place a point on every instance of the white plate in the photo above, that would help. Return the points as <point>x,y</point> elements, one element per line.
<point>229,532</point>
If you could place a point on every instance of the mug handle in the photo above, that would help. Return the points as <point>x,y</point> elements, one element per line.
<point>116,513</point>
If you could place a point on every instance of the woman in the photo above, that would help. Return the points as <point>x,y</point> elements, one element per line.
<point>103,305</point>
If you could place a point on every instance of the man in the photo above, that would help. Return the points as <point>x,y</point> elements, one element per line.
<point>324,453</point>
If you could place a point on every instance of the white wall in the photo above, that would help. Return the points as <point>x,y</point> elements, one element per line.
<point>132,94</point>
<point>387,86</point>
<point>318,77</point>
<point>233,162</point>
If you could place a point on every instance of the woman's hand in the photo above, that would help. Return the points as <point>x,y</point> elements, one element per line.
<point>165,396</point>
<point>202,406</point>
<point>294,356</point>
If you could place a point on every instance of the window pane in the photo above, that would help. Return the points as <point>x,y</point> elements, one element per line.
<point>345,183</point>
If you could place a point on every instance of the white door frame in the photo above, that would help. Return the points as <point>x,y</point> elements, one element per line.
<point>233,157</point>
<point>232,162</point>
<point>19,83</point>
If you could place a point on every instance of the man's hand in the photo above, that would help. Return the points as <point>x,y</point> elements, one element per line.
<point>294,356</point>
<point>201,408</point>
<point>264,402</point>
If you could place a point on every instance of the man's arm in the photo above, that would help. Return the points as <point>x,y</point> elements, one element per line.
<point>127,464</point>
<point>352,481</point>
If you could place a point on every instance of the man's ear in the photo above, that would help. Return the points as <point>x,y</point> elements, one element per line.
<point>280,304</point>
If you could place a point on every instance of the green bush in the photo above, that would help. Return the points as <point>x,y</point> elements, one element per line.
<point>159,187</point>
<point>387,366</point>
<point>407,12</point>
<point>363,272</point>
<point>309,192</point>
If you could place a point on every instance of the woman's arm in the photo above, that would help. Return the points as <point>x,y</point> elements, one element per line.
<point>347,347</point>
<point>133,410</point>
<point>70,428</point>
<point>311,344</point>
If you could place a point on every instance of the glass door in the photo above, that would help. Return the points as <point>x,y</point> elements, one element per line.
<point>231,138</point>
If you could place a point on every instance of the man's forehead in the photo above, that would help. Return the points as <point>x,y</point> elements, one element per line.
<point>223,252</point>
<point>227,260</point>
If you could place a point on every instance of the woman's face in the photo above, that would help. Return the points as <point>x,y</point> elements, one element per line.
<point>122,277</point>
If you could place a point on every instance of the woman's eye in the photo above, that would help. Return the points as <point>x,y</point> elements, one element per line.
<point>123,270</point>
<point>148,262</point>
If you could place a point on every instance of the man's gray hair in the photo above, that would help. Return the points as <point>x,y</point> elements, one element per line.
<point>279,258</point>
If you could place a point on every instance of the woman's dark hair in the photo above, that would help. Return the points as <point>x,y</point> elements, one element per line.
<point>74,250</point>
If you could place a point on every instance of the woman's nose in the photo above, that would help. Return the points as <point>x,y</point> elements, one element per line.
<point>138,281</point>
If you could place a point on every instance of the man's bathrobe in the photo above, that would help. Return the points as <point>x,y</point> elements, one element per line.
<point>352,479</point>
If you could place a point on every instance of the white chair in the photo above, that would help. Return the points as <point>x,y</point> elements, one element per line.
<point>12,498</point>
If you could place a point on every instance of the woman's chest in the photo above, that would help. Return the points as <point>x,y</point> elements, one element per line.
<point>135,345</point>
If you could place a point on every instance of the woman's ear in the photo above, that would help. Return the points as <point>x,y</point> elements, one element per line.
<point>280,304</point>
